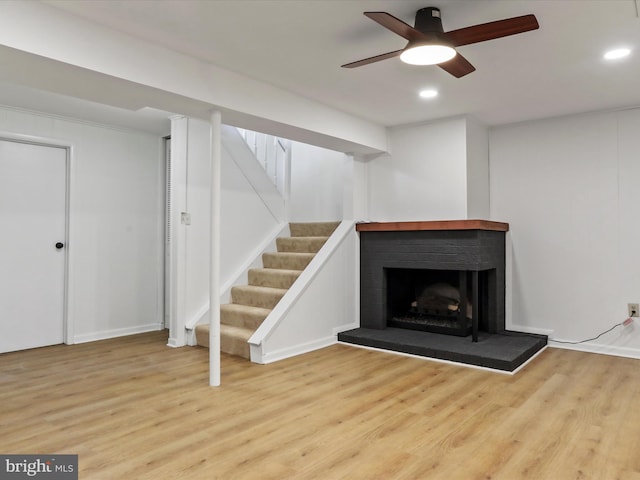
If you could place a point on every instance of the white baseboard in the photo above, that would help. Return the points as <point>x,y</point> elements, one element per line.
<point>118,332</point>
<point>173,343</point>
<point>602,349</point>
<point>191,338</point>
<point>296,350</point>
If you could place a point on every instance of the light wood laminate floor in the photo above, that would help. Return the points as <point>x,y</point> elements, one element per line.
<point>132,408</point>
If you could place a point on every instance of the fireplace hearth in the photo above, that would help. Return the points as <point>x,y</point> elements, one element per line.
<point>437,289</point>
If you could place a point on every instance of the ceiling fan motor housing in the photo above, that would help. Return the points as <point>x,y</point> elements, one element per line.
<point>428,20</point>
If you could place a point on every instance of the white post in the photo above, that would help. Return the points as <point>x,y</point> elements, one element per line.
<point>214,268</point>
<point>178,252</point>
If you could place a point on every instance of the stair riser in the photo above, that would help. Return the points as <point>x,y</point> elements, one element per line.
<point>202,337</point>
<point>272,278</point>
<point>246,296</point>
<point>320,229</point>
<point>241,319</point>
<point>231,344</point>
<point>286,262</point>
<point>234,346</point>
<point>300,244</point>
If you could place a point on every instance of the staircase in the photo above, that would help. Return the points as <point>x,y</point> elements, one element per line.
<point>251,304</point>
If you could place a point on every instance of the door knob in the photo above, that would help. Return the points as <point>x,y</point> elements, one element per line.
<point>59,245</point>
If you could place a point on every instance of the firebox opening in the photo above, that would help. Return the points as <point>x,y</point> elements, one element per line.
<point>439,301</point>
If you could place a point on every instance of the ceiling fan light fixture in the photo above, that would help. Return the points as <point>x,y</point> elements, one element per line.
<point>427,54</point>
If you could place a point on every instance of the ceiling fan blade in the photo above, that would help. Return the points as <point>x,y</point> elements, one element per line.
<point>367,61</point>
<point>396,25</point>
<point>458,66</point>
<point>491,30</point>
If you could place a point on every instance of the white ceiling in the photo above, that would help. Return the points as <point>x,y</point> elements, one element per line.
<point>299,45</point>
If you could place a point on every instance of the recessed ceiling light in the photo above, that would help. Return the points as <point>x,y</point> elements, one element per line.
<point>429,93</point>
<point>617,53</point>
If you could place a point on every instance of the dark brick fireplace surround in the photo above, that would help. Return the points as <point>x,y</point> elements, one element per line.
<point>474,248</point>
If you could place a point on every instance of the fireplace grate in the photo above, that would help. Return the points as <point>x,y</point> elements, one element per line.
<point>448,324</point>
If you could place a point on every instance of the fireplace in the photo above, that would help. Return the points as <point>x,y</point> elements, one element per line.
<point>440,301</point>
<point>437,289</point>
<point>440,280</point>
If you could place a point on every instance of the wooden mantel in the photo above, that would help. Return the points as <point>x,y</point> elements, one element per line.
<point>433,225</point>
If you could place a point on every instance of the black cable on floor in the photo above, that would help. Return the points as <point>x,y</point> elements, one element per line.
<point>591,339</point>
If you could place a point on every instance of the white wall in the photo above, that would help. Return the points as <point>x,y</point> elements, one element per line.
<point>237,148</point>
<point>424,177</point>
<point>197,235</point>
<point>359,189</point>
<point>569,189</point>
<point>317,183</point>
<point>115,224</point>
<point>246,222</point>
<point>477,170</point>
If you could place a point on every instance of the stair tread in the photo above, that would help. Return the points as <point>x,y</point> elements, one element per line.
<point>295,254</point>
<point>257,296</point>
<point>287,260</point>
<point>246,308</point>
<point>231,330</point>
<point>233,340</point>
<point>299,229</point>
<point>302,244</point>
<point>273,277</point>
<point>276,271</point>
<point>258,288</point>
<point>240,315</point>
<point>234,331</point>
<point>302,238</point>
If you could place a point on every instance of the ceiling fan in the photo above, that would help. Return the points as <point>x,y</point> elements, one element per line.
<point>430,45</point>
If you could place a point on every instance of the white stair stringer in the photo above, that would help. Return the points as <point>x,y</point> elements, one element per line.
<point>321,303</point>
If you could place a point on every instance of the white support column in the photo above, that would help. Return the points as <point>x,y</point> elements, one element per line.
<point>178,243</point>
<point>361,189</point>
<point>214,293</point>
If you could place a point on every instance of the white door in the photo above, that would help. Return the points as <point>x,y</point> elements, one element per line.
<point>32,245</point>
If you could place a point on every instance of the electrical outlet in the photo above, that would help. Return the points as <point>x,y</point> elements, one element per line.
<point>634,309</point>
